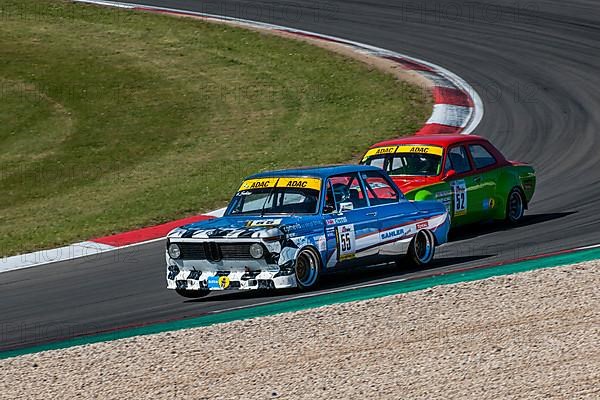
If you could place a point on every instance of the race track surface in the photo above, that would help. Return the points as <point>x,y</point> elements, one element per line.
<point>535,65</point>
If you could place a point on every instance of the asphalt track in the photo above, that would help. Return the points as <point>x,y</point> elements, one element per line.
<point>534,63</point>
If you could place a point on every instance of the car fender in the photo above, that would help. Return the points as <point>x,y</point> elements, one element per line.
<point>509,178</point>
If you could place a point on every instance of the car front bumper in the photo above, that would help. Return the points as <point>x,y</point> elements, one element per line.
<point>246,274</point>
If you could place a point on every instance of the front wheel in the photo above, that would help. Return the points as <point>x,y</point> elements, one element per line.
<point>515,206</point>
<point>308,268</point>
<point>421,249</point>
<point>192,294</point>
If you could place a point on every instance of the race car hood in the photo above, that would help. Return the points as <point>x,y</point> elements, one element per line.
<point>408,183</point>
<point>231,227</point>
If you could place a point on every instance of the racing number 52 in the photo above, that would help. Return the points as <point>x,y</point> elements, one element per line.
<point>460,200</point>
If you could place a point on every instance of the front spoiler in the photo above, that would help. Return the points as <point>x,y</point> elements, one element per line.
<point>229,280</point>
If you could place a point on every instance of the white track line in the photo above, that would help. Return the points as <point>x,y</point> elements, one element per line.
<point>593,246</point>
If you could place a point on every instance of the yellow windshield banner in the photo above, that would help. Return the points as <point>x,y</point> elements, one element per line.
<point>410,148</point>
<point>263,183</point>
<point>379,150</point>
<point>302,183</point>
<point>435,150</point>
<point>266,183</point>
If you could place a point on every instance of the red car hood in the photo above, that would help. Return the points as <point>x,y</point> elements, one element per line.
<point>408,183</point>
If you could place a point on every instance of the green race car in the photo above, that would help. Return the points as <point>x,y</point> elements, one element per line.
<point>465,172</point>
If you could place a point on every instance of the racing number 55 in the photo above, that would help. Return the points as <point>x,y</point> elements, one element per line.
<point>346,242</point>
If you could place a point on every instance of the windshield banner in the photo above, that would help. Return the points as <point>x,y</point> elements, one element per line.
<point>409,148</point>
<point>435,150</point>
<point>294,183</point>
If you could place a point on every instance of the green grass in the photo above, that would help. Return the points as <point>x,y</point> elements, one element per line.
<point>112,119</point>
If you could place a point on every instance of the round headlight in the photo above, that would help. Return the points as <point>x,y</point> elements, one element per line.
<point>256,250</point>
<point>174,251</point>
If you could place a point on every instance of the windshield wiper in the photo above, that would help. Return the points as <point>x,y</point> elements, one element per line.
<point>262,210</point>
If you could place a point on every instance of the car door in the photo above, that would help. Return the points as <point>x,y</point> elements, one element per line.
<point>394,213</point>
<point>351,226</point>
<point>466,186</point>
<point>487,175</point>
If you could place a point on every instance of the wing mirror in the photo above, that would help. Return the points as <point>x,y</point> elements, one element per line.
<point>346,206</point>
<point>449,174</point>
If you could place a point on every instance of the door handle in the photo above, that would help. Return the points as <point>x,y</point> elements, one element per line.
<point>477,179</point>
<point>372,214</point>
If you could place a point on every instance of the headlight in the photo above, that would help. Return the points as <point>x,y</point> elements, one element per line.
<point>256,250</point>
<point>174,251</point>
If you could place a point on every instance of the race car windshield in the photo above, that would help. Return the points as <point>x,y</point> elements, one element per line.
<point>408,160</point>
<point>275,200</point>
<point>277,195</point>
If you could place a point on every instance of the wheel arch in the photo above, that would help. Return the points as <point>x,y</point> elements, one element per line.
<point>315,250</point>
<point>508,181</point>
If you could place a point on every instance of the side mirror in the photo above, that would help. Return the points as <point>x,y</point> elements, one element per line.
<point>346,206</point>
<point>449,175</point>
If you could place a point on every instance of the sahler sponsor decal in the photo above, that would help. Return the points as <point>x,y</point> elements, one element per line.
<point>396,233</point>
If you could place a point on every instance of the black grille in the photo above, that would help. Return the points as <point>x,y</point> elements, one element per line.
<point>192,251</point>
<point>233,251</point>
<point>215,251</point>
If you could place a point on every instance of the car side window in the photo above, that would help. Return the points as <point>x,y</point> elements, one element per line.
<point>457,160</point>
<point>377,162</point>
<point>379,191</point>
<point>481,157</point>
<point>347,189</point>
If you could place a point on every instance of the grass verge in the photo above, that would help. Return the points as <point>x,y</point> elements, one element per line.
<point>112,119</point>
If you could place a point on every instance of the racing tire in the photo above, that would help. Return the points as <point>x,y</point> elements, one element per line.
<point>308,268</point>
<point>192,294</point>
<point>421,249</point>
<point>515,206</point>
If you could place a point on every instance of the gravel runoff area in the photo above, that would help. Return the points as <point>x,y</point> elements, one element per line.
<point>532,335</point>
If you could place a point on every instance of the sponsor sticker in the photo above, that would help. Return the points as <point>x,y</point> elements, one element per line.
<point>264,222</point>
<point>335,221</point>
<point>395,233</point>
<point>253,184</point>
<point>419,149</point>
<point>423,225</point>
<point>379,150</point>
<point>213,282</point>
<point>224,282</point>
<point>302,183</point>
<point>322,243</point>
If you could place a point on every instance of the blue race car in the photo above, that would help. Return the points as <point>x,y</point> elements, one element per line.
<point>284,229</point>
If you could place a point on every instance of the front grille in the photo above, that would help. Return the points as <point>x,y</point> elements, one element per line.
<point>214,251</point>
<point>233,251</point>
<point>192,251</point>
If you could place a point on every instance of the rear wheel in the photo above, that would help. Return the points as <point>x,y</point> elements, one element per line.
<point>192,294</point>
<point>421,249</point>
<point>515,206</point>
<point>308,268</point>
